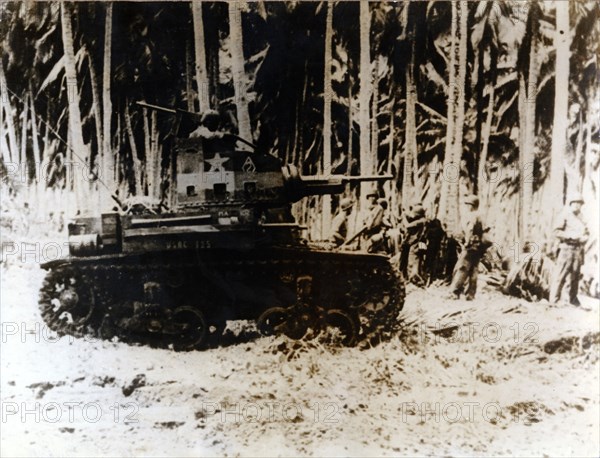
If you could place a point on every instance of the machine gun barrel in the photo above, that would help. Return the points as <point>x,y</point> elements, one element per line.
<point>298,186</point>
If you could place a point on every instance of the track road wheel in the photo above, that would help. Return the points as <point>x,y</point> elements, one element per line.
<point>272,321</point>
<point>192,328</point>
<point>343,326</point>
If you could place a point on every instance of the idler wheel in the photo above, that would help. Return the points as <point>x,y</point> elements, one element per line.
<point>71,302</point>
<point>343,324</point>
<point>191,328</point>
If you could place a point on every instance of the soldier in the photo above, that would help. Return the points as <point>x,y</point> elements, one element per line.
<point>339,225</point>
<point>473,249</point>
<point>373,224</point>
<point>209,126</point>
<point>381,240</point>
<point>414,246</point>
<point>572,234</point>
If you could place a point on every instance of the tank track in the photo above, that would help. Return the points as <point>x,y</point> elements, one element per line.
<point>183,302</point>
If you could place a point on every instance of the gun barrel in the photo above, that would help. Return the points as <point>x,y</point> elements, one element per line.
<point>363,178</point>
<point>317,185</point>
<point>156,107</point>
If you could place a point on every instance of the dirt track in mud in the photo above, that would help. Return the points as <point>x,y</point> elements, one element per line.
<point>497,376</point>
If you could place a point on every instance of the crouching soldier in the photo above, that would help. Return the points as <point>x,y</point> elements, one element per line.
<point>572,234</point>
<point>474,246</point>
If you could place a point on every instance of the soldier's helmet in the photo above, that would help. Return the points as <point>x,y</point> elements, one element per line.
<point>210,119</point>
<point>345,204</point>
<point>472,201</point>
<point>418,211</point>
<point>383,203</point>
<point>576,197</point>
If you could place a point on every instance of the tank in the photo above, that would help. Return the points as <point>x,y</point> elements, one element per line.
<point>224,247</point>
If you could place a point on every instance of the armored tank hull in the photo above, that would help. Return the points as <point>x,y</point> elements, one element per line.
<point>222,245</point>
<point>182,299</point>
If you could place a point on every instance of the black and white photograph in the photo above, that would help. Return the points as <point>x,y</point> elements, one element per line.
<point>300,228</point>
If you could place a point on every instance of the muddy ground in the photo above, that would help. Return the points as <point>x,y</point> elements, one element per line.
<point>497,376</point>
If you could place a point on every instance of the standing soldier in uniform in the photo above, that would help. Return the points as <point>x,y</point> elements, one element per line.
<point>473,249</point>
<point>414,246</point>
<point>572,234</point>
<point>339,225</point>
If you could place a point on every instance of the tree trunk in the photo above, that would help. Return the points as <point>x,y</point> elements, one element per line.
<point>410,131</point>
<point>200,51</point>
<point>108,159</point>
<point>451,107</point>
<point>189,70</point>
<point>485,143</point>
<point>4,149</point>
<point>239,73</point>
<point>137,164</point>
<point>374,126</point>
<point>577,180</point>
<point>23,155</point>
<point>391,155</point>
<point>350,123</point>
<point>527,153</point>
<point>35,142</point>
<point>79,148</point>
<point>522,102</point>
<point>152,161</point>
<point>366,157</point>
<point>327,94</point>
<point>449,205</point>
<point>96,105</point>
<point>561,104</point>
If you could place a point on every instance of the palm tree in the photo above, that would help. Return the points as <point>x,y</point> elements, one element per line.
<point>485,40</point>
<point>108,166</point>
<point>449,201</point>
<point>200,52</point>
<point>79,154</point>
<point>561,103</point>
<point>239,73</point>
<point>410,132</point>
<point>367,164</point>
<point>327,94</point>
<point>529,68</point>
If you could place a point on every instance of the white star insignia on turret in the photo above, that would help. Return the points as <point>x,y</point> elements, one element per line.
<point>216,163</point>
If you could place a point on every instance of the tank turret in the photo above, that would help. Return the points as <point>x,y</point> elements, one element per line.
<point>211,171</point>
